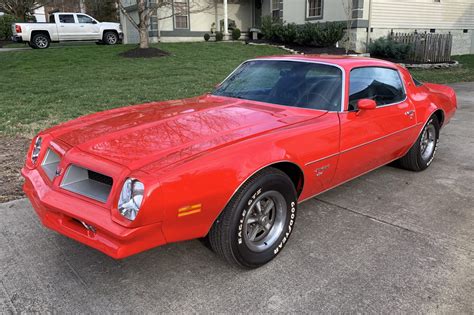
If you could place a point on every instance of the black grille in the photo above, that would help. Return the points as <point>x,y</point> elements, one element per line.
<point>100,178</point>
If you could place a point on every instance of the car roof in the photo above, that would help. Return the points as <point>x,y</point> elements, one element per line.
<point>347,62</point>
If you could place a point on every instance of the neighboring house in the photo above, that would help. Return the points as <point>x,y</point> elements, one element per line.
<point>371,18</point>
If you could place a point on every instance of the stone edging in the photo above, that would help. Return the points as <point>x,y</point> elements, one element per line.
<point>291,51</point>
<point>443,65</point>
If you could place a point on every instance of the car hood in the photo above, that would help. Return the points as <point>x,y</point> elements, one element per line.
<point>110,24</point>
<point>167,132</point>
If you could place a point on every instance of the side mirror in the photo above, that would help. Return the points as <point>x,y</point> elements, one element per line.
<point>366,104</point>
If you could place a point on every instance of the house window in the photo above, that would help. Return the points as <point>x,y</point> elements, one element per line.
<point>314,8</point>
<point>277,12</point>
<point>181,14</point>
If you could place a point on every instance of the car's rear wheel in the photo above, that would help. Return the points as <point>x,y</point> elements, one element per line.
<point>257,222</point>
<point>40,41</point>
<point>110,38</point>
<point>422,153</point>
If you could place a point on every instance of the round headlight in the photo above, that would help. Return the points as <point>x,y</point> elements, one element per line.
<point>131,198</point>
<point>36,150</point>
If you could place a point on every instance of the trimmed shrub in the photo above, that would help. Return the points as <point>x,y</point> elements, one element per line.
<point>207,37</point>
<point>236,34</point>
<point>267,27</point>
<point>331,33</point>
<point>387,48</point>
<point>219,36</point>
<point>286,33</point>
<point>310,34</point>
<point>6,22</point>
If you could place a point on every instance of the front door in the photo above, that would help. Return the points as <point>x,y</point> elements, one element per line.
<point>88,27</point>
<point>374,137</point>
<point>257,13</point>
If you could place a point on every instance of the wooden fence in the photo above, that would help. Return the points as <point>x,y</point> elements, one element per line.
<point>426,47</point>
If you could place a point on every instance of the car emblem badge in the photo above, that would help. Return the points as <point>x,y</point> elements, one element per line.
<point>58,172</point>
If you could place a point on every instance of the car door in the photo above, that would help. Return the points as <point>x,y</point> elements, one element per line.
<point>88,27</point>
<point>373,137</point>
<point>68,28</point>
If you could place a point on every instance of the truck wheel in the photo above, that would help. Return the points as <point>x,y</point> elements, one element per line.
<point>40,41</point>
<point>422,153</point>
<point>256,224</point>
<point>110,38</point>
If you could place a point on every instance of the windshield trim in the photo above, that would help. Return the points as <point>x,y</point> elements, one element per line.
<point>343,94</point>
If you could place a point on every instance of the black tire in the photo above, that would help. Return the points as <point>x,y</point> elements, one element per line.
<point>40,41</point>
<point>229,236</point>
<point>417,159</point>
<point>110,38</point>
<point>31,45</point>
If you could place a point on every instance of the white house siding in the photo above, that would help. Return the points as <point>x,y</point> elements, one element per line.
<point>200,22</point>
<point>454,16</point>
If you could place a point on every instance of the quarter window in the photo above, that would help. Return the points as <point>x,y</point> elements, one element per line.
<point>66,18</point>
<point>383,85</point>
<point>314,8</point>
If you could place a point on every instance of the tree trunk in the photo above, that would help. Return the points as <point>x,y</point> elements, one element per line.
<point>143,32</point>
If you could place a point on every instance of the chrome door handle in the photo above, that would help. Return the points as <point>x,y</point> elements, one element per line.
<point>409,113</point>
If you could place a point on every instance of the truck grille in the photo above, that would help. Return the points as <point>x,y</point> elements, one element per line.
<point>87,183</point>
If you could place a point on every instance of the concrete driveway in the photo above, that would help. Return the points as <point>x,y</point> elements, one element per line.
<point>390,241</point>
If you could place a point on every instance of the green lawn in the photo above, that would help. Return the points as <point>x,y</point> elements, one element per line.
<point>463,73</point>
<point>40,88</point>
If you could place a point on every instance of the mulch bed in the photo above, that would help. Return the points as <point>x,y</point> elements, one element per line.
<point>144,53</point>
<point>12,158</point>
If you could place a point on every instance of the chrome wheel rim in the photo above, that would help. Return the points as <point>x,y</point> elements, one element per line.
<point>428,141</point>
<point>264,221</point>
<point>41,41</point>
<point>111,39</point>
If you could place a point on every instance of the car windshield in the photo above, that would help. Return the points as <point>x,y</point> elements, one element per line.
<point>292,83</point>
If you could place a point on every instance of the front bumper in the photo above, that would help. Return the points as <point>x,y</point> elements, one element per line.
<point>17,39</point>
<point>66,215</point>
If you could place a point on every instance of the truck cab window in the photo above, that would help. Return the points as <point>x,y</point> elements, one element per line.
<point>66,18</point>
<point>52,19</point>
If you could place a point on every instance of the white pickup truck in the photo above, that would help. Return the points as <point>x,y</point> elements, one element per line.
<point>66,27</point>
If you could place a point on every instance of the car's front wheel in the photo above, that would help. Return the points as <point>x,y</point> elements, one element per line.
<point>110,38</point>
<point>256,224</point>
<point>422,153</point>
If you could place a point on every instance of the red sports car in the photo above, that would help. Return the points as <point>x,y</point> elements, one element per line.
<point>231,166</point>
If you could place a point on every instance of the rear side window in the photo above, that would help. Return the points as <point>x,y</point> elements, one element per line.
<point>383,85</point>
<point>66,18</point>
<point>84,19</point>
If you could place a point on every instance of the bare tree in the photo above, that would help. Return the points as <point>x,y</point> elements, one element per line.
<point>147,9</point>
<point>348,11</point>
<point>21,9</point>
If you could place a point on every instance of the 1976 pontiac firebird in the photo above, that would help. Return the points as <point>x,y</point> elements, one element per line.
<point>231,166</point>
